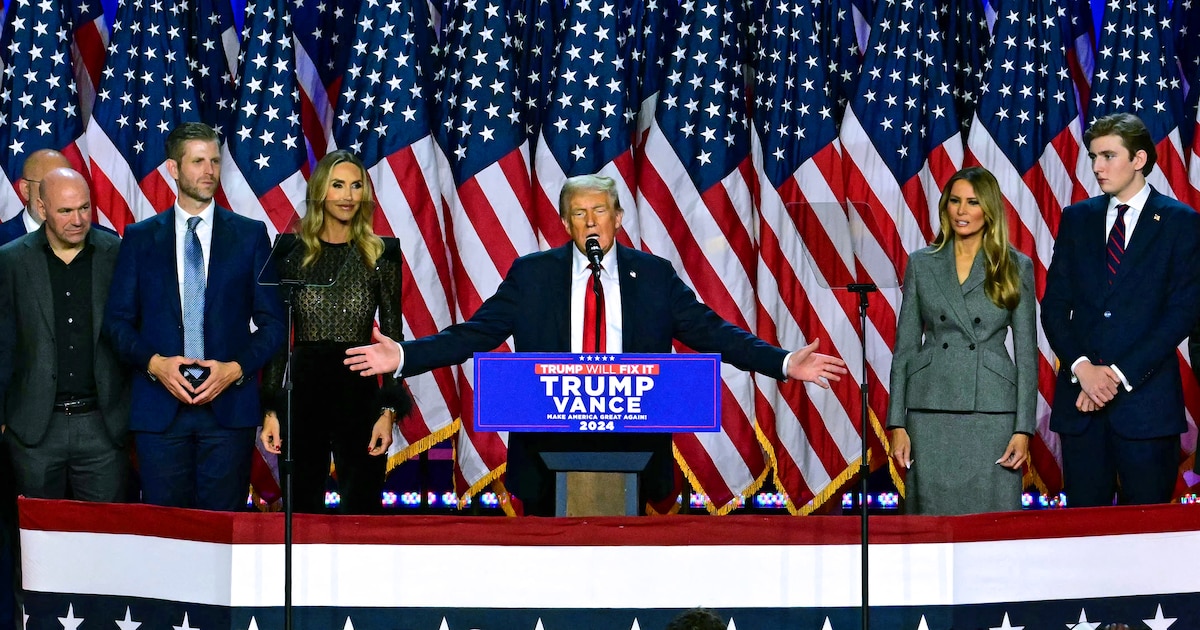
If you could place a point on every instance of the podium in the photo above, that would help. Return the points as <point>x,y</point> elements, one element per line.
<point>596,483</point>
<point>598,395</point>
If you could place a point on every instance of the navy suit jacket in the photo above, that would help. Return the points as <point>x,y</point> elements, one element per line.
<point>144,316</point>
<point>13,228</point>
<point>1135,324</point>
<point>532,305</point>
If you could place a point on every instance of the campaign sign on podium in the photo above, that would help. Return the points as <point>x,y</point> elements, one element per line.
<point>590,393</point>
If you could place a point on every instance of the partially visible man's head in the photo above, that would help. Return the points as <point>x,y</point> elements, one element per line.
<point>588,206</point>
<point>66,203</point>
<point>33,172</point>
<point>194,160</point>
<point>697,619</point>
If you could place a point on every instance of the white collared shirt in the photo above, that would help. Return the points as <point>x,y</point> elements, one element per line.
<point>31,224</point>
<point>203,231</point>
<point>1135,203</point>
<point>610,280</point>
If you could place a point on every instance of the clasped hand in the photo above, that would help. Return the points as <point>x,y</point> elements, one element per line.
<point>221,374</point>
<point>1098,385</point>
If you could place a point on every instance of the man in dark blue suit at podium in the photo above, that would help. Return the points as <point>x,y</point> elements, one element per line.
<point>546,304</point>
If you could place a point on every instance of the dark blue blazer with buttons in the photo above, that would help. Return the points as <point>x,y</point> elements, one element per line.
<point>144,317</point>
<point>533,306</point>
<point>1136,323</point>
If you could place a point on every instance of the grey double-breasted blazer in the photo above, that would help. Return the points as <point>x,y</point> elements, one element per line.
<point>27,339</point>
<point>950,352</point>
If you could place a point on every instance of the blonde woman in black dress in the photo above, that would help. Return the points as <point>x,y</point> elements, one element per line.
<point>334,410</point>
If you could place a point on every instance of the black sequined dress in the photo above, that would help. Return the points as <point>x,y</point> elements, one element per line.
<point>334,409</point>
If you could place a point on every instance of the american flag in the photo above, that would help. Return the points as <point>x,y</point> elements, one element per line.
<point>965,25</point>
<point>89,40</point>
<point>811,434</point>
<point>901,140</point>
<point>264,149</point>
<point>383,115</point>
<point>1027,132</point>
<point>588,123</point>
<point>485,177</point>
<point>39,107</point>
<point>653,30</point>
<point>322,29</point>
<point>1136,72</point>
<point>840,50</point>
<point>1185,17</point>
<point>212,56</point>
<point>145,91</point>
<point>534,27</point>
<point>1081,57</point>
<point>696,209</point>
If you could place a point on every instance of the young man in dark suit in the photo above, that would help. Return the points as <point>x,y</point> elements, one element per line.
<point>541,304</point>
<point>1122,292</point>
<point>183,299</point>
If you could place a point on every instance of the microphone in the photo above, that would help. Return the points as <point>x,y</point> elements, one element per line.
<point>592,248</point>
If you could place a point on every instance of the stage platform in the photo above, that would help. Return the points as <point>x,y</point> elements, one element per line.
<point>139,567</point>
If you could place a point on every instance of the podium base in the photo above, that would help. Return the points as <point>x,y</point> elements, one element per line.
<point>596,494</point>
<point>596,483</point>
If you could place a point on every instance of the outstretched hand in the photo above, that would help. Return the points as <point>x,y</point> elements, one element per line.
<point>806,364</point>
<point>381,357</point>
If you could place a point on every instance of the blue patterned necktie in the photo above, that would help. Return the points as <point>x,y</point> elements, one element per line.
<point>193,292</point>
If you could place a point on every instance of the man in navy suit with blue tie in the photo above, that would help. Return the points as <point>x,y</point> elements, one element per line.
<point>543,305</point>
<point>184,295</point>
<point>33,171</point>
<point>1122,292</point>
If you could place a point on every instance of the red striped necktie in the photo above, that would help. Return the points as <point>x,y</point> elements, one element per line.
<point>590,316</point>
<point>1116,243</point>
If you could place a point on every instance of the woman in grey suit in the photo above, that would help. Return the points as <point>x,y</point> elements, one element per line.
<point>960,404</point>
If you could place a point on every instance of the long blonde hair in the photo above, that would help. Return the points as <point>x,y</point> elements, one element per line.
<point>362,236</point>
<point>1002,281</point>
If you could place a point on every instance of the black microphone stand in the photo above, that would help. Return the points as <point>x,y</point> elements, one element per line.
<point>864,469</point>
<point>288,288</point>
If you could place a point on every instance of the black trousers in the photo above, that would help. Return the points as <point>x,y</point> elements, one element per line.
<point>1100,463</point>
<point>333,411</point>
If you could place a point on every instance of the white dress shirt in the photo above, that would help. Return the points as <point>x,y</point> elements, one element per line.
<point>203,231</point>
<point>610,280</point>
<point>31,224</point>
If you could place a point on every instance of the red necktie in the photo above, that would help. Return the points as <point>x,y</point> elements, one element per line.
<point>590,316</point>
<point>1116,243</point>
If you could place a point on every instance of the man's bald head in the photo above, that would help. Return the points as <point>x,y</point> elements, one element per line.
<point>66,202</point>
<point>33,172</point>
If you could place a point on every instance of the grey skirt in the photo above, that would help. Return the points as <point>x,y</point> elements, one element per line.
<point>954,468</point>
